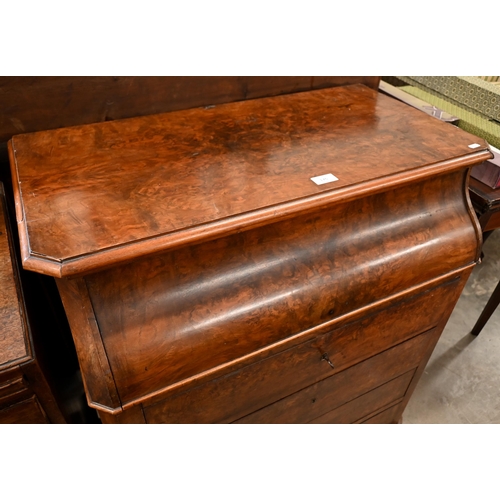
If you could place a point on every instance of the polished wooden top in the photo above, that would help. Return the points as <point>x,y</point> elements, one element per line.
<point>13,336</point>
<point>95,195</point>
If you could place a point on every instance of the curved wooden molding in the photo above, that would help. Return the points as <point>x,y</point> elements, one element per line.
<point>98,195</point>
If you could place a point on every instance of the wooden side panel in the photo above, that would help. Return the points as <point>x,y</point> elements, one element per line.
<point>492,222</point>
<point>96,372</point>
<point>446,312</point>
<point>14,335</point>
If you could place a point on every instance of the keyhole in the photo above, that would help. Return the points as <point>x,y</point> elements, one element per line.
<point>327,359</point>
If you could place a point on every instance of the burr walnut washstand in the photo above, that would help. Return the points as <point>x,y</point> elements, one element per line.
<point>207,278</point>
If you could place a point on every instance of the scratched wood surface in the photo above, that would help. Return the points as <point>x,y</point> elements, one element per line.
<point>121,186</point>
<point>13,336</point>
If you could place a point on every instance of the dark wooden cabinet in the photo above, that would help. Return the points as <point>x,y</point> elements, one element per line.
<point>208,278</point>
<point>32,381</point>
<point>486,202</point>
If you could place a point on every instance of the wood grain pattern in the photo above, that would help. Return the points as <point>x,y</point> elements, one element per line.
<point>483,195</point>
<point>278,280</point>
<point>96,372</point>
<point>100,194</point>
<point>390,416</point>
<point>341,388</point>
<point>382,410</point>
<point>277,376</point>
<point>205,276</point>
<point>133,416</point>
<point>25,412</point>
<point>486,202</point>
<point>26,396</point>
<point>10,376</point>
<point>453,296</point>
<point>38,383</point>
<point>30,104</point>
<point>14,337</point>
<point>320,399</point>
<point>12,391</point>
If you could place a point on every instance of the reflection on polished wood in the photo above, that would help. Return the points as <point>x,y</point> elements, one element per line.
<point>100,194</point>
<point>206,278</point>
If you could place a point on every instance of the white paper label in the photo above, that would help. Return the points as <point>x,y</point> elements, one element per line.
<point>324,179</point>
<point>474,146</point>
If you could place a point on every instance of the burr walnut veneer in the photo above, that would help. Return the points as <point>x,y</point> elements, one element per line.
<point>207,278</point>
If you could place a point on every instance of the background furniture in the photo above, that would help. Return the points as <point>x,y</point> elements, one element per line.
<point>208,278</point>
<point>486,201</point>
<point>38,372</point>
<point>476,103</point>
<point>473,100</point>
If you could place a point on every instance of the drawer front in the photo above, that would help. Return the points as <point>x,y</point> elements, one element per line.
<point>366,405</point>
<point>377,332</point>
<point>26,412</point>
<point>349,396</point>
<point>237,395</point>
<point>172,317</point>
<point>278,376</point>
<point>11,386</point>
<point>10,375</point>
<point>12,391</point>
<point>389,416</point>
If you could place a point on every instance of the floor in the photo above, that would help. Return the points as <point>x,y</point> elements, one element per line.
<point>461,383</point>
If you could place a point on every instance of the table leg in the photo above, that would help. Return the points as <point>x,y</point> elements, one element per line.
<point>487,311</point>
